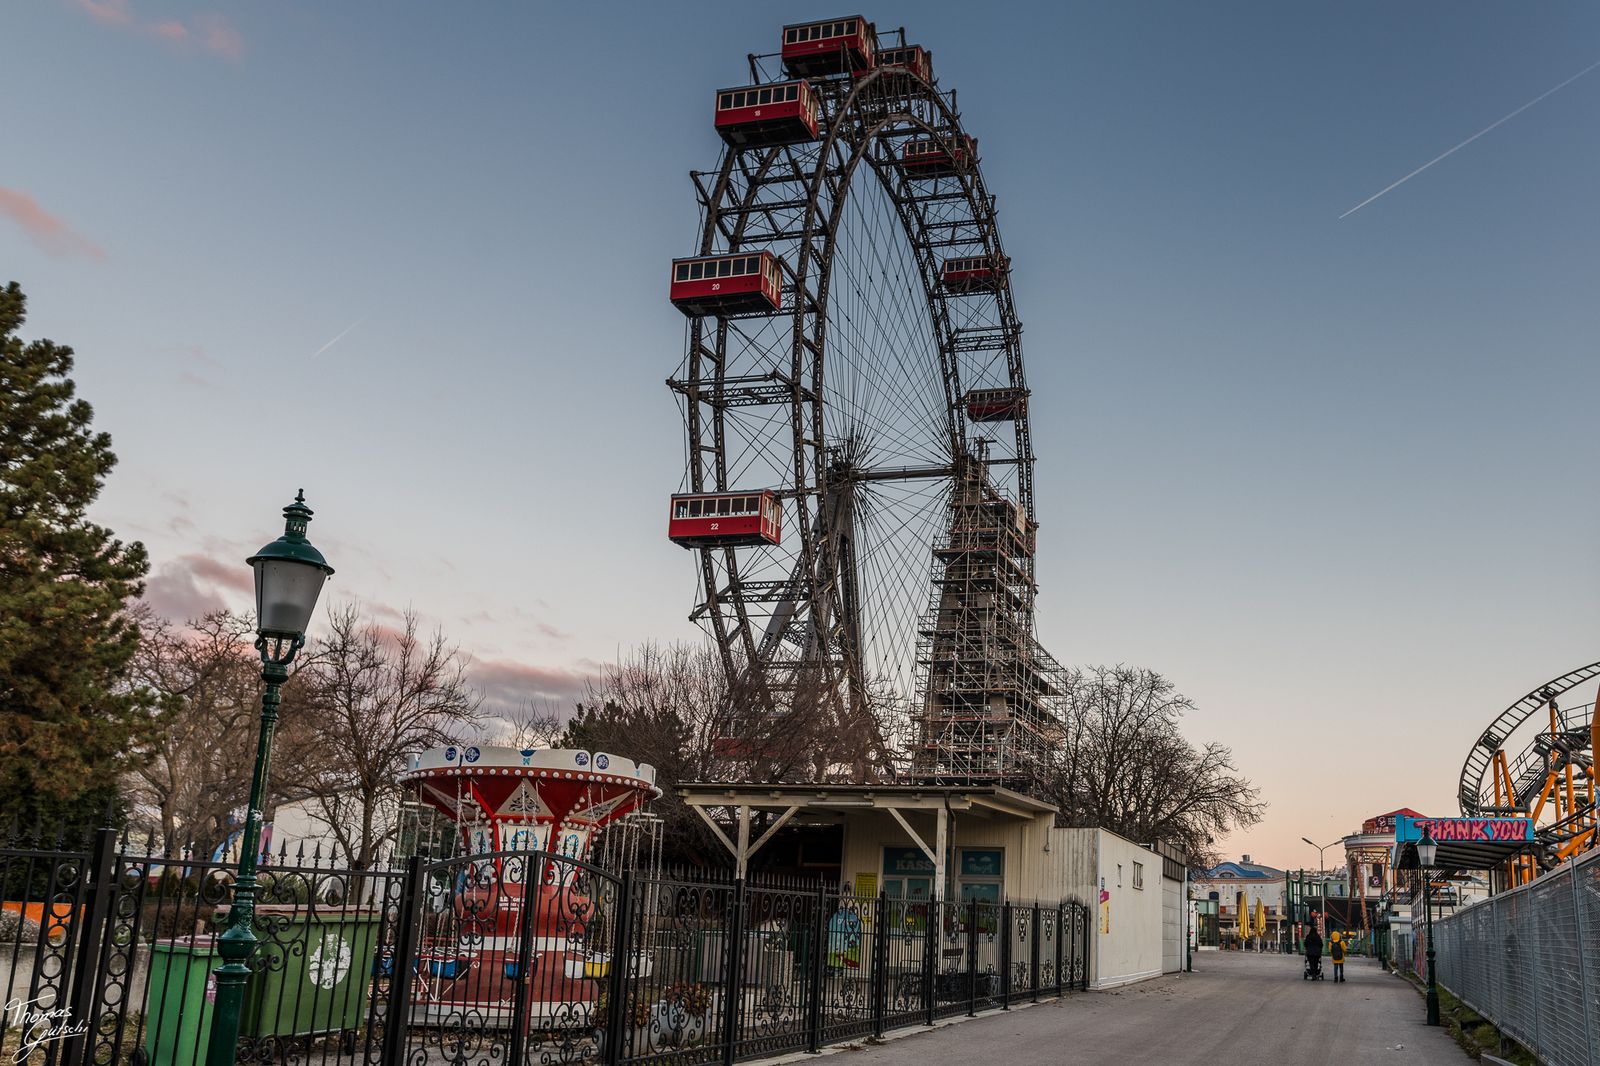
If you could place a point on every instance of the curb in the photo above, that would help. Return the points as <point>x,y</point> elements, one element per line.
<point>897,1034</point>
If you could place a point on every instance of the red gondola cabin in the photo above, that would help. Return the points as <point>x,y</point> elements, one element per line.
<point>996,405</point>
<point>839,46</point>
<point>937,158</point>
<point>726,520</point>
<point>742,284</point>
<point>974,273</point>
<point>912,59</point>
<point>760,115</point>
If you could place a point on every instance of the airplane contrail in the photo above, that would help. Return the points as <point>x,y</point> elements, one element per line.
<point>340,337</point>
<point>1469,140</point>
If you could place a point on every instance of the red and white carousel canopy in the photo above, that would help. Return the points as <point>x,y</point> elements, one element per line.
<point>538,786</point>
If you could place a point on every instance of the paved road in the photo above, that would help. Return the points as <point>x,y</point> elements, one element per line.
<point>1235,1009</point>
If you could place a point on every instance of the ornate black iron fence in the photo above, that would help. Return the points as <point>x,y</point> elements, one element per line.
<point>106,956</point>
<point>724,971</point>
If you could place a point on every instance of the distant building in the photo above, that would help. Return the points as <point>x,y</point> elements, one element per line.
<point>1217,891</point>
<point>1368,895</point>
<point>1368,857</point>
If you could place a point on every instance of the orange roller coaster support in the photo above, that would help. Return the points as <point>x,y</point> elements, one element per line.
<point>1576,846</point>
<point>1503,792</point>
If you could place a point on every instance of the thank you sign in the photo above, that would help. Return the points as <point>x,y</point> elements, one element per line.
<point>1408,830</point>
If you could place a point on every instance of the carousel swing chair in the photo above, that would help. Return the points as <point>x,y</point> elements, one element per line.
<point>441,960</point>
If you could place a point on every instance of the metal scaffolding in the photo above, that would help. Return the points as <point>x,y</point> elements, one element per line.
<point>990,693</point>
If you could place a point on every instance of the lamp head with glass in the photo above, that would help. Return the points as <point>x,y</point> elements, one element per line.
<point>289,577</point>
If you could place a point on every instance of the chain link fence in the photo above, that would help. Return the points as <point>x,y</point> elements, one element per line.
<point>1526,961</point>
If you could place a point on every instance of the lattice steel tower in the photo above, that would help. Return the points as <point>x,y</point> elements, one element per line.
<point>990,692</point>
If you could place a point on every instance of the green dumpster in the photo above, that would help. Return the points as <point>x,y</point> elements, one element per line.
<point>178,1010</point>
<point>312,972</point>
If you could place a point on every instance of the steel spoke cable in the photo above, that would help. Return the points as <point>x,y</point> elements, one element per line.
<point>900,588</point>
<point>901,313</point>
<point>853,287</point>
<point>870,373</point>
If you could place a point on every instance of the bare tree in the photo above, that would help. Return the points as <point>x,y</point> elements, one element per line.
<point>192,775</point>
<point>675,707</point>
<point>529,726</point>
<point>664,705</point>
<point>1125,765</point>
<point>794,725</point>
<point>381,695</point>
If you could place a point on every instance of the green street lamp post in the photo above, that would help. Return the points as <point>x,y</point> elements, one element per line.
<point>1427,852</point>
<point>1297,893</point>
<point>289,577</point>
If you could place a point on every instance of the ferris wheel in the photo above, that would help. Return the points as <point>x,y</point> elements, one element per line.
<point>856,413</point>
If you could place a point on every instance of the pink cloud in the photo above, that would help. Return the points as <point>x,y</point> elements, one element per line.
<point>46,230</point>
<point>194,364</point>
<point>188,377</point>
<point>230,575</point>
<point>174,594</point>
<point>111,12</point>
<point>171,30</point>
<point>209,32</point>
<point>218,37</point>
<point>193,585</point>
<point>508,685</point>
<point>383,610</point>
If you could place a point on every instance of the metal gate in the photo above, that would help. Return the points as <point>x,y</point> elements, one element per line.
<point>501,958</point>
<point>46,894</point>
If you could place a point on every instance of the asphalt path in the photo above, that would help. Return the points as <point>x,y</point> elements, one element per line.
<point>1236,1008</point>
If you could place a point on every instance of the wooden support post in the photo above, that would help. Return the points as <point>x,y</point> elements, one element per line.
<point>741,857</point>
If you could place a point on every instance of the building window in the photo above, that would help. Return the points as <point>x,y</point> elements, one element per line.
<point>1138,876</point>
<point>1119,875</point>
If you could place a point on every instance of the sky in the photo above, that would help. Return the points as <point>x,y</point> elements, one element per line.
<point>1332,476</point>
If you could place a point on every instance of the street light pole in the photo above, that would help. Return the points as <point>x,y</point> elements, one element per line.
<point>1320,849</point>
<point>289,577</point>
<point>1291,910</point>
<point>1322,874</point>
<point>1427,852</point>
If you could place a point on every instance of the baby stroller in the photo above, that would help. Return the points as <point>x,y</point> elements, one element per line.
<point>1313,968</point>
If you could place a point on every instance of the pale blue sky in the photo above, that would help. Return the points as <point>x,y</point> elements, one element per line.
<point>1335,478</point>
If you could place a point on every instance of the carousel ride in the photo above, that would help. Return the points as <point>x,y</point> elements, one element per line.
<point>507,923</point>
<point>1537,761</point>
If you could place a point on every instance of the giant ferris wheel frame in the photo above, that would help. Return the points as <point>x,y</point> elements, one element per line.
<point>810,623</point>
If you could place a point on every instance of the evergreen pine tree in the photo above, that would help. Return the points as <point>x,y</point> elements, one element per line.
<point>66,640</point>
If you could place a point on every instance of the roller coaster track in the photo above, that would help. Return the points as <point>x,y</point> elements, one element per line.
<point>1552,781</point>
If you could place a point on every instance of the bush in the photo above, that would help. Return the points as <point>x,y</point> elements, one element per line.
<point>643,1008</point>
<point>14,929</point>
<point>282,888</point>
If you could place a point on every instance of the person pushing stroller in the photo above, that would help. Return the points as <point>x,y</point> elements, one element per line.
<point>1313,955</point>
